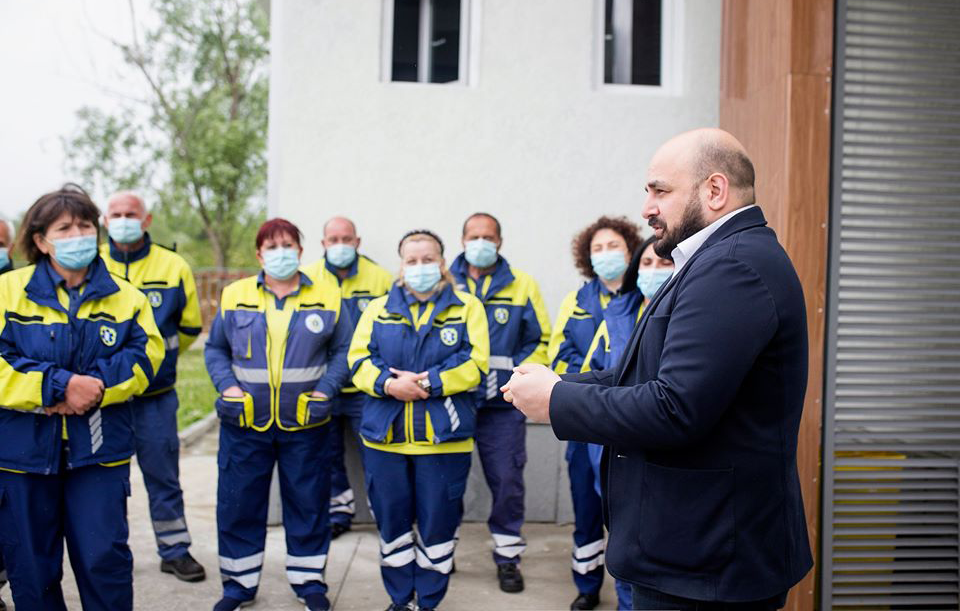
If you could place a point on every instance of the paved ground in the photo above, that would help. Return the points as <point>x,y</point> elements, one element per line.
<point>353,571</point>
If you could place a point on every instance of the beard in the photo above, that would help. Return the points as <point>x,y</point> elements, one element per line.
<point>690,223</point>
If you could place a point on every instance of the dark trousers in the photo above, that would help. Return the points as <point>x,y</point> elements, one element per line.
<point>502,444</point>
<point>245,460</point>
<point>344,421</point>
<point>418,504</point>
<point>158,454</point>
<point>648,599</point>
<point>87,507</point>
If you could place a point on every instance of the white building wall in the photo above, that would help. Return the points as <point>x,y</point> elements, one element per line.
<point>533,139</point>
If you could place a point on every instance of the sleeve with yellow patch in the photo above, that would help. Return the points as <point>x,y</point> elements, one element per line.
<point>368,370</point>
<point>464,369</point>
<point>188,329</point>
<point>129,371</point>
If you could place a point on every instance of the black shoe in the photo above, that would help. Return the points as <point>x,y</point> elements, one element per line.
<point>585,601</point>
<point>337,529</point>
<point>396,607</point>
<point>184,568</point>
<point>510,578</point>
<point>316,602</point>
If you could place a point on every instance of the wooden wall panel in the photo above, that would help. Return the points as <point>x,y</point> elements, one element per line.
<point>775,97</point>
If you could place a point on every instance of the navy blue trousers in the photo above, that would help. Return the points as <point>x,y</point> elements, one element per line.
<point>501,439</point>
<point>246,459</point>
<point>646,599</point>
<point>587,557</point>
<point>418,505</point>
<point>158,454</point>
<point>345,421</point>
<point>87,507</point>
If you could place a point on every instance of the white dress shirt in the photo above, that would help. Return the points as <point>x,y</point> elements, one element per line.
<point>686,249</point>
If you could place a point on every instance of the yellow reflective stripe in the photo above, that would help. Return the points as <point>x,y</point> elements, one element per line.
<point>539,356</point>
<point>419,449</point>
<point>12,470</point>
<point>134,385</point>
<point>601,335</point>
<point>366,375</point>
<point>567,306</point>
<point>561,367</point>
<point>117,463</point>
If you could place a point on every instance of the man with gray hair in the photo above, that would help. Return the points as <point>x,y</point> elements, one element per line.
<point>168,283</point>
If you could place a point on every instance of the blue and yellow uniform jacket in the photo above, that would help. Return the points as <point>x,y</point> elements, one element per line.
<point>516,317</point>
<point>104,329</point>
<point>619,318</point>
<point>312,357</point>
<point>166,280</point>
<point>581,313</point>
<point>365,282</point>
<point>447,337</point>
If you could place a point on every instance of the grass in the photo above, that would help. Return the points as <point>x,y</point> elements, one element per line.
<point>194,388</point>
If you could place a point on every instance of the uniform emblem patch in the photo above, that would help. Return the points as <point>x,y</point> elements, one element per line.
<point>362,304</point>
<point>155,298</point>
<point>501,315</point>
<point>314,323</point>
<point>108,336</point>
<point>449,336</point>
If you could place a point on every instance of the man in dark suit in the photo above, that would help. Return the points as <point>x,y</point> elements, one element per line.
<point>700,419</point>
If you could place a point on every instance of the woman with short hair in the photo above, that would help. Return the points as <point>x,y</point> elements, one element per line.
<point>277,355</point>
<point>75,344</point>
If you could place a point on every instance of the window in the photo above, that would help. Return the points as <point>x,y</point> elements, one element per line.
<point>632,42</point>
<point>426,43</point>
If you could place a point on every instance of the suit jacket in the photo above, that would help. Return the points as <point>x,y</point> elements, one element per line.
<point>700,420</point>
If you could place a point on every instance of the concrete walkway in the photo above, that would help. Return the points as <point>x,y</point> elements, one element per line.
<point>353,571</point>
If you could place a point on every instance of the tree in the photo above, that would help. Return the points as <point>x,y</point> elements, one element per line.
<point>197,144</point>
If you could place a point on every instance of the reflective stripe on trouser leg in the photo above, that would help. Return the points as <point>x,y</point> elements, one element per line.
<point>440,482</point>
<point>587,567</point>
<point>390,490</point>
<point>245,460</point>
<point>171,532</point>
<point>501,444</point>
<point>343,503</point>
<point>304,475</point>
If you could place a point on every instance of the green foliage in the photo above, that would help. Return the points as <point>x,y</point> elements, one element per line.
<point>194,389</point>
<point>196,147</point>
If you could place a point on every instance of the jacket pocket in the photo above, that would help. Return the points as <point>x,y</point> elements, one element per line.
<point>237,411</point>
<point>241,342</point>
<point>687,519</point>
<point>312,410</point>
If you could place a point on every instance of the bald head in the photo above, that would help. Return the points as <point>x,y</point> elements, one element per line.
<point>340,230</point>
<point>126,204</point>
<point>701,153</point>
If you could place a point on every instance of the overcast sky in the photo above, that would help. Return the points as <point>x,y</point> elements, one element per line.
<point>53,60</point>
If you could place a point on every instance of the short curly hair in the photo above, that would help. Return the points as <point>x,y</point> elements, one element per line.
<point>581,242</point>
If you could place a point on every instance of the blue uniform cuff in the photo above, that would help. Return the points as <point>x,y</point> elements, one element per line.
<point>59,379</point>
<point>381,380</point>
<point>436,385</point>
<point>327,388</point>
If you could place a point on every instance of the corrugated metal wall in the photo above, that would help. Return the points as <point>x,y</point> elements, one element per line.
<point>892,413</point>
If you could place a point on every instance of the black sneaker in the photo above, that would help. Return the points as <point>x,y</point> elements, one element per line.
<point>510,578</point>
<point>396,607</point>
<point>337,529</point>
<point>585,601</point>
<point>184,568</point>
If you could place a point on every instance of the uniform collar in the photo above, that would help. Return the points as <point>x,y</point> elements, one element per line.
<point>135,255</point>
<point>42,288</point>
<point>398,300</point>
<point>304,280</point>
<point>686,249</point>
<point>353,269</point>
<point>500,277</point>
<point>6,268</point>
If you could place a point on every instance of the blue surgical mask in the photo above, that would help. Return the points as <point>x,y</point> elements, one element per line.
<point>341,255</point>
<point>75,253</point>
<point>281,263</point>
<point>649,281</point>
<point>4,257</point>
<point>609,264</point>
<point>481,253</point>
<point>421,278</point>
<point>124,230</point>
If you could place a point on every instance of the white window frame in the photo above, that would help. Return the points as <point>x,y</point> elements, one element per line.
<point>671,52</point>
<point>468,33</point>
